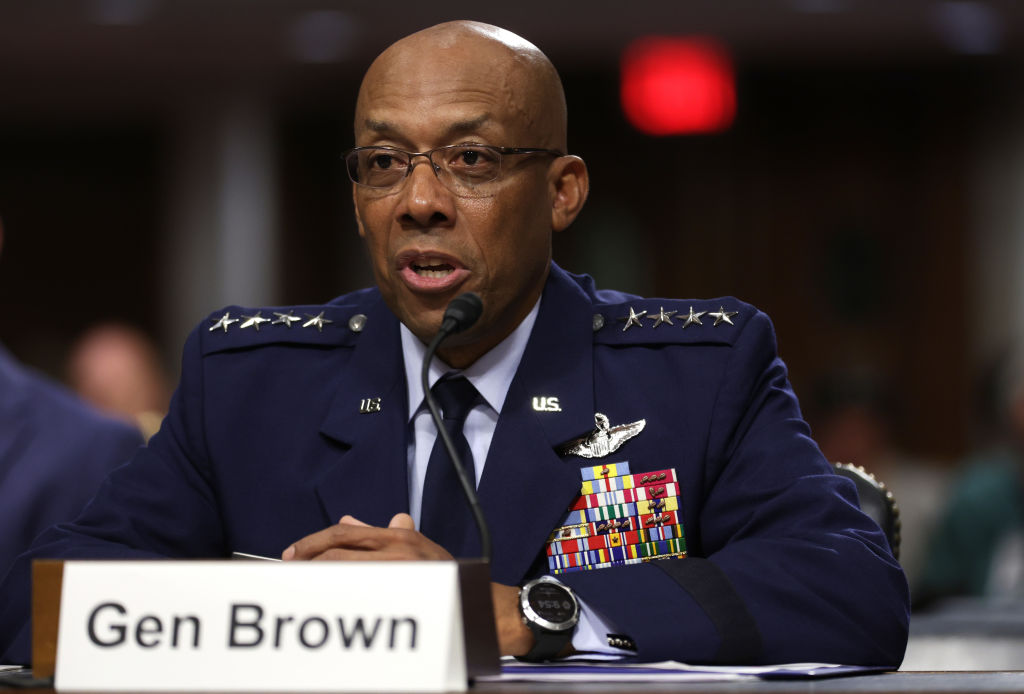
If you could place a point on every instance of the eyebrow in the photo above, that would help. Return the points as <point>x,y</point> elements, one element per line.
<point>455,129</point>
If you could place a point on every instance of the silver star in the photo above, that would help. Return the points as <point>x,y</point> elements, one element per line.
<point>633,319</point>
<point>721,315</point>
<point>693,318</point>
<point>254,321</point>
<point>662,317</point>
<point>223,322</point>
<point>286,318</point>
<point>318,321</point>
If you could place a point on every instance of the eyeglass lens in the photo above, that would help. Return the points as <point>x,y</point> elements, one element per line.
<point>465,165</point>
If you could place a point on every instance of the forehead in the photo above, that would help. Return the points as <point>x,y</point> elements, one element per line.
<point>430,94</point>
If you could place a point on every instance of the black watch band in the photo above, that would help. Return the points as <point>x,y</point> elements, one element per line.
<point>550,610</point>
<point>547,645</point>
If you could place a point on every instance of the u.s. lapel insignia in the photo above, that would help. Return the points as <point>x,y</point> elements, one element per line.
<point>369,405</point>
<point>604,439</point>
<point>546,403</point>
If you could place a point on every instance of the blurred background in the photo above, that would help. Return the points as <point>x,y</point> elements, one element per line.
<point>861,179</point>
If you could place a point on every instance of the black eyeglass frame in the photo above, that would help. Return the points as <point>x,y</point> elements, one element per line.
<point>501,151</point>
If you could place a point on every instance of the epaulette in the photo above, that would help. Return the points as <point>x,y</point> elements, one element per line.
<point>670,321</point>
<point>237,327</point>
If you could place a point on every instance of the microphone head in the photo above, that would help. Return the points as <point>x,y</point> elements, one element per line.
<point>463,311</point>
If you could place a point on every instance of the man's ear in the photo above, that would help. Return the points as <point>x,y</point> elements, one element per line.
<point>355,206</point>
<point>570,184</point>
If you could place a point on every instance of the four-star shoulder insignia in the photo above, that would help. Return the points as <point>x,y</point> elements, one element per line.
<point>663,317</point>
<point>286,317</point>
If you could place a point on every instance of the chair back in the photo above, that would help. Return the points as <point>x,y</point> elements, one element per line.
<point>876,501</point>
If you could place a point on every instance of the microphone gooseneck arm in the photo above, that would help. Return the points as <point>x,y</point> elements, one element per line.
<point>462,312</point>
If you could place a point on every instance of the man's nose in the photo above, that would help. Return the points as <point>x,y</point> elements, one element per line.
<point>426,200</point>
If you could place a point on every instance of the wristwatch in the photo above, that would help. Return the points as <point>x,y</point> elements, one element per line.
<point>550,609</point>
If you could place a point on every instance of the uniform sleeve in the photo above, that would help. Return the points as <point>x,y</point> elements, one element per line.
<point>785,567</point>
<point>163,500</point>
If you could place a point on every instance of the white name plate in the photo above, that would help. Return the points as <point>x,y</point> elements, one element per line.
<point>260,626</point>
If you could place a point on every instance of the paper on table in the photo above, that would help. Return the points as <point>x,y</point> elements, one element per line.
<point>667,671</point>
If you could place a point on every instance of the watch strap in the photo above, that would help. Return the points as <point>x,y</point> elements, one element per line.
<point>547,644</point>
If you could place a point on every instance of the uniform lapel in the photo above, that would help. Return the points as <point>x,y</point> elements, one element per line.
<point>370,478</point>
<point>526,487</point>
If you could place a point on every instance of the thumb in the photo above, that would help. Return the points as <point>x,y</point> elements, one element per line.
<point>403,521</point>
<point>351,520</point>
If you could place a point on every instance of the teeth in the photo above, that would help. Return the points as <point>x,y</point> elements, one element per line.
<point>432,274</point>
<point>433,269</point>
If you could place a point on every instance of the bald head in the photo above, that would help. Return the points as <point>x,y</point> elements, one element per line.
<point>467,58</point>
<point>464,83</point>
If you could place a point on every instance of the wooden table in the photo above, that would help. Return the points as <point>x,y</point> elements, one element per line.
<point>896,682</point>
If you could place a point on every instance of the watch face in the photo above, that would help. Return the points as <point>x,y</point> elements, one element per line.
<point>551,602</point>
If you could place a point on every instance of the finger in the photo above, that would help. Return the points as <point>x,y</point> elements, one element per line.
<point>352,520</point>
<point>340,536</point>
<point>403,521</point>
<point>338,554</point>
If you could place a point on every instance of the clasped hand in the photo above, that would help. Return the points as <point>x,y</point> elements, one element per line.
<point>352,540</point>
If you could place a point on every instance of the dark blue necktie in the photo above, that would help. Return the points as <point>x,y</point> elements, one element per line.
<point>446,517</point>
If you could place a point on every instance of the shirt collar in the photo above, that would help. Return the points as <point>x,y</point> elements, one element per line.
<point>491,374</point>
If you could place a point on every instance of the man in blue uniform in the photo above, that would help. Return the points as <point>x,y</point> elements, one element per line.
<point>661,434</point>
<point>54,452</point>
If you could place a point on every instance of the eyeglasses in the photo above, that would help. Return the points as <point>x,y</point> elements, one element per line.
<point>466,170</point>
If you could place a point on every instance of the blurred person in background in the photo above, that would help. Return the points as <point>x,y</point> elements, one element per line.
<point>54,451</point>
<point>978,545</point>
<point>853,424</point>
<point>116,368</point>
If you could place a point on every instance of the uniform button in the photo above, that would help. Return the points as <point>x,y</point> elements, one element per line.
<point>598,322</point>
<point>357,322</point>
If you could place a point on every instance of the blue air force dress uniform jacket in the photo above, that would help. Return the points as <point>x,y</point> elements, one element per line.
<point>54,452</point>
<point>269,439</point>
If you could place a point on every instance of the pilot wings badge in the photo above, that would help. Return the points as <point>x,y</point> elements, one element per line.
<point>604,439</point>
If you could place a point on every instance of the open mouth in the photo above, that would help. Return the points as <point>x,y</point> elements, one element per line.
<point>432,269</point>
<point>430,272</point>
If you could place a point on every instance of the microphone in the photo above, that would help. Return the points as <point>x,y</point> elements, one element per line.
<point>463,311</point>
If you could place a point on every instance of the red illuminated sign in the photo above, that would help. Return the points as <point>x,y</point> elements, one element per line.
<point>675,86</point>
